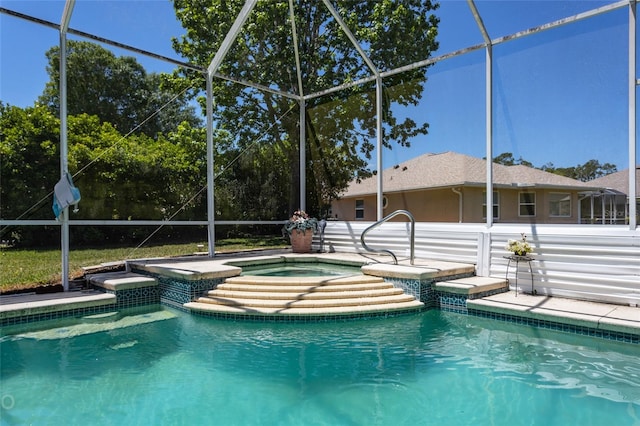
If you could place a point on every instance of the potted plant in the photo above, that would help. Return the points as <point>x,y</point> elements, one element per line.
<point>519,247</point>
<point>300,227</point>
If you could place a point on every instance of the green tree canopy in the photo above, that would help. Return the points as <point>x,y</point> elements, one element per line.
<point>506,159</point>
<point>134,177</point>
<point>340,125</point>
<point>590,170</point>
<point>116,89</point>
<point>29,160</point>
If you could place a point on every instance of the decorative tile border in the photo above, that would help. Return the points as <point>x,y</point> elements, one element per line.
<point>304,318</point>
<point>134,297</point>
<point>452,301</point>
<point>176,292</point>
<point>458,302</point>
<point>420,289</point>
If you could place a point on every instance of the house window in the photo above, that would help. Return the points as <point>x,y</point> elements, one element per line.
<point>359,209</point>
<point>559,204</point>
<point>496,205</point>
<point>527,204</point>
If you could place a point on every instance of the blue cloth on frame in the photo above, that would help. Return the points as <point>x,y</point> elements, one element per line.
<point>64,194</point>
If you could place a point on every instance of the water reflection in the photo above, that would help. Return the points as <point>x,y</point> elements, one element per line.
<point>406,349</point>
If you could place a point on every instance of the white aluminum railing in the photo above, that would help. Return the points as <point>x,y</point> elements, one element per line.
<point>385,219</point>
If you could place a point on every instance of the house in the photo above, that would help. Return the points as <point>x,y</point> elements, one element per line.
<point>611,201</point>
<point>451,187</point>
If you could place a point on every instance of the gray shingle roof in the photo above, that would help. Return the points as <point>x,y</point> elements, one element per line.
<point>618,181</point>
<point>448,169</point>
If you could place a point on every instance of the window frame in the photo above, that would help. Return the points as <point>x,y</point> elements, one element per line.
<point>522,204</point>
<point>496,205</point>
<point>359,209</point>
<point>566,197</point>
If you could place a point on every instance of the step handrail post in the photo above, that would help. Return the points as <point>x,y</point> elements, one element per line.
<point>412,235</point>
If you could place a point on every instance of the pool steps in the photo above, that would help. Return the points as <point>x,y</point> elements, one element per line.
<point>321,296</point>
<point>471,286</point>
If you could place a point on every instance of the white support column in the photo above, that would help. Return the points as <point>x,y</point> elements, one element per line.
<point>633,190</point>
<point>489,133</point>
<point>484,255</point>
<point>211,234</point>
<point>303,155</point>
<point>379,148</point>
<point>64,149</point>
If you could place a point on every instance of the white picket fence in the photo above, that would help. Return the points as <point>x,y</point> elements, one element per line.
<point>590,262</point>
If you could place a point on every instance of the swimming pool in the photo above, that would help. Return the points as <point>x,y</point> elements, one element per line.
<point>162,366</point>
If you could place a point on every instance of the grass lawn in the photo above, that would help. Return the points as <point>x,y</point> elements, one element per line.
<point>22,269</point>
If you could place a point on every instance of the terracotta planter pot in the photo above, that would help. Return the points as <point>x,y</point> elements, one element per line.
<point>301,242</point>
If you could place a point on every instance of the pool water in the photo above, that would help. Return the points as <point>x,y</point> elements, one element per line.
<point>440,368</point>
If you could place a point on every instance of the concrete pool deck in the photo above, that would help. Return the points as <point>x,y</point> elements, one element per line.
<point>594,315</point>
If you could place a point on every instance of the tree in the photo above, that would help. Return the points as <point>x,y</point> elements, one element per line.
<point>29,161</point>
<point>506,159</point>
<point>590,170</point>
<point>119,177</point>
<point>116,89</point>
<point>339,125</point>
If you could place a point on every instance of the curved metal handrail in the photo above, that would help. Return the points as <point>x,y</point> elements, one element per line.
<point>385,219</point>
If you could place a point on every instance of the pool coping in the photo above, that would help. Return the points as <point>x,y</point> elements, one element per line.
<point>197,268</point>
<point>578,313</point>
<point>31,304</point>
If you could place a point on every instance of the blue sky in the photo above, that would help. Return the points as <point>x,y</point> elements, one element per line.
<point>560,96</point>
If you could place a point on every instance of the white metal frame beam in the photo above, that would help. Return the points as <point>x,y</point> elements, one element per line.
<point>379,106</point>
<point>231,36</point>
<point>488,107</point>
<point>633,82</point>
<point>64,149</point>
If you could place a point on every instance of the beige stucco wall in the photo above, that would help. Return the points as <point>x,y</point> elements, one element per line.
<point>443,205</point>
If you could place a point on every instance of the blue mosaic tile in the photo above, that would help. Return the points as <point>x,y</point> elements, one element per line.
<point>134,297</point>
<point>176,292</point>
<point>420,289</point>
<point>303,318</point>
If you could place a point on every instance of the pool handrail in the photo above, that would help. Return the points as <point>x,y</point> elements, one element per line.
<point>385,219</point>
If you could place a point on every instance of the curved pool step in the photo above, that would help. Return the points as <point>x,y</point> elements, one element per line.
<point>305,297</point>
<point>275,288</point>
<point>304,281</point>
<point>306,313</point>
<point>306,294</point>
<point>303,302</point>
